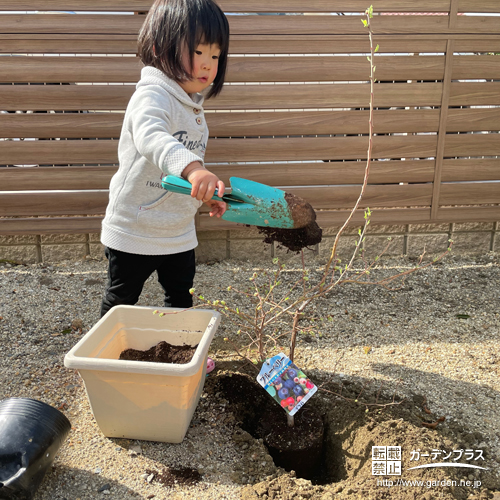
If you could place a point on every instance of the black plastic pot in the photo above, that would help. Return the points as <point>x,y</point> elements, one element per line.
<point>31,432</point>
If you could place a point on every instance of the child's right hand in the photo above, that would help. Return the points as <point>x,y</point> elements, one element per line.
<point>204,182</point>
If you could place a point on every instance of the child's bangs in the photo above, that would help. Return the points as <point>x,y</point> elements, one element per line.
<point>212,30</point>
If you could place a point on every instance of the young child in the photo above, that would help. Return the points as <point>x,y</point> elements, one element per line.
<point>183,45</point>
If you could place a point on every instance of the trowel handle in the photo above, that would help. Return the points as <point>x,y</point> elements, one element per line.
<point>181,186</point>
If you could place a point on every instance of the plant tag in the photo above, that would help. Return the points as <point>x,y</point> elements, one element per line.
<point>286,383</point>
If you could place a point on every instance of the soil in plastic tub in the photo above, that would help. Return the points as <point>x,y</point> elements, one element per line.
<point>163,352</point>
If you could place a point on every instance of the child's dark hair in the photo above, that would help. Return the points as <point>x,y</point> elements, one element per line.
<point>173,24</point>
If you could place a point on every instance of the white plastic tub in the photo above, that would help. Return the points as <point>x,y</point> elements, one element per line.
<point>139,399</point>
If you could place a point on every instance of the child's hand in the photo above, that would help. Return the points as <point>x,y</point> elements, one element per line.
<point>217,208</point>
<point>204,182</point>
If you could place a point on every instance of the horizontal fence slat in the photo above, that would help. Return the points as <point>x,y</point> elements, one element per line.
<point>21,69</point>
<point>331,173</point>
<point>55,178</point>
<point>375,196</point>
<point>58,152</point>
<point>321,122</point>
<point>475,94</point>
<point>64,225</point>
<point>472,145</point>
<point>70,23</point>
<point>478,6</point>
<point>355,68</point>
<point>471,170</point>
<point>320,148</point>
<point>477,43</point>
<point>240,69</point>
<point>45,203</point>
<point>476,67</point>
<point>68,44</point>
<point>477,24</point>
<point>331,25</point>
<point>53,203</point>
<point>65,97</point>
<point>468,214</point>
<point>238,6</point>
<point>337,218</point>
<point>328,96</point>
<point>87,5</point>
<point>52,225</point>
<point>243,97</point>
<point>247,24</point>
<point>335,6</point>
<point>473,193</point>
<point>465,120</point>
<point>276,174</point>
<point>107,125</point>
<point>67,125</point>
<point>335,44</point>
<point>281,149</point>
<point>255,44</point>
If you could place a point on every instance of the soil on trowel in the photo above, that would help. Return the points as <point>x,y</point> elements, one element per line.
<point>305,233</point>
<point>303,213</point>
<point>351,429</point>
<point>163,352</point>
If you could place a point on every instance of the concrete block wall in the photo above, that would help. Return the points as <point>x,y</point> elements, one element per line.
<point>246,244</point>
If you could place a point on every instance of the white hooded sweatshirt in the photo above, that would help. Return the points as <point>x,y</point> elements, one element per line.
<point>164,130</point>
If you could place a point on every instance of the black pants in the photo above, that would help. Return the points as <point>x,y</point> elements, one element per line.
<point>128,272</point>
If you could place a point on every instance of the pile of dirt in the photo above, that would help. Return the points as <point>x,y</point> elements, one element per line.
<point>163,352</point>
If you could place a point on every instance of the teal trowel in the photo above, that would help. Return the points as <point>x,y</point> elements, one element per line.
<point>255,204</point>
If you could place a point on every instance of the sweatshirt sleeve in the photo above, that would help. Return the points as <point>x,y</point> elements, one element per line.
<point>149,123</point>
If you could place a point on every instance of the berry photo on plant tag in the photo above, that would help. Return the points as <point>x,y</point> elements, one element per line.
<point>287,384</point>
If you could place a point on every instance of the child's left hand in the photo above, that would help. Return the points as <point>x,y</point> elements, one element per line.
<point>217,208</point>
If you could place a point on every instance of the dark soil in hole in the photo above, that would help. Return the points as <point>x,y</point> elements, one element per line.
<point>297,448</point>
<point>163,352</point>
<point>183,476</point>
<point>350,432</point>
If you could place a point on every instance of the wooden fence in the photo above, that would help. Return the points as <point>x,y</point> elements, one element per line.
<point>293,114</point>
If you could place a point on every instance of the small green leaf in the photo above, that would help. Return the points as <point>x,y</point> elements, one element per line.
<point>462,316</point>
<point>365,22</point>
<point>377,47</point>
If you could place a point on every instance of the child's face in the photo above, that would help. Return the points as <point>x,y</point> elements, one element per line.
<point>204,69</point>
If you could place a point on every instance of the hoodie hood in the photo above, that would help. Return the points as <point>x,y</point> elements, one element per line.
<point>153,76</point>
